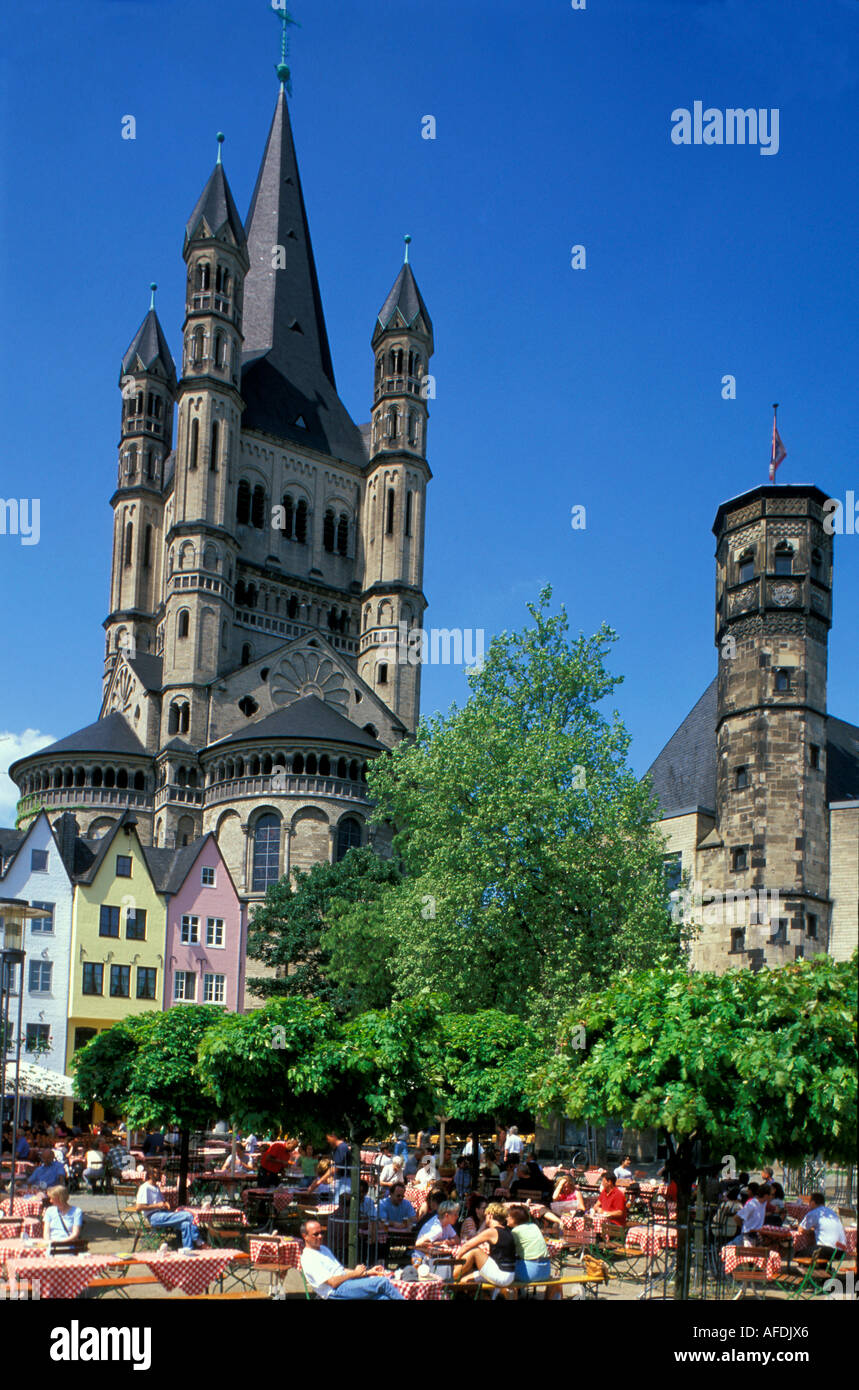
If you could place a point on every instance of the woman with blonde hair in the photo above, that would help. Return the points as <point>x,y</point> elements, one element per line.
<point>497,1265</point>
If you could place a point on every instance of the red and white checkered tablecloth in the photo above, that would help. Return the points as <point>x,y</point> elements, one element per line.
<point>652,1239</point>
<point>60,1276</point>
<point>23,1206</point>
<point>191,1273</point>
<point>796,1210</point>
<point>415,1195</point>
<point>13,1247</point>
<point>276,1250</point>
<point>11,1228</point>
<point>590,1221</point>
<point>324,1209</point>
<point>421,1290</point>
<point>213,1216</point>
<point>733,1254</point>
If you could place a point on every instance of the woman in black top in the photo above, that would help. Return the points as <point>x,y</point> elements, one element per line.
<point>498,1264</point>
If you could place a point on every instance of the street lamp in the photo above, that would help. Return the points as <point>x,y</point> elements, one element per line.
<point>13,912</point>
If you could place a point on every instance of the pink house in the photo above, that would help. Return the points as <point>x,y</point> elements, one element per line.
<point>206,927</point>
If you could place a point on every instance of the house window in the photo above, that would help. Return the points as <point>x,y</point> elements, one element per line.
<point>123,866</point>
<point>40,976</point>
<point>44,926</point>
<point>741,778</point>
<point>146,975</point>
<point>207,876</point>
<point>782,681</point>
<point>348,836</point>
<point>120,981</point>
<point>214,989</point>
<point>214,931</point>
<point>814,756</point>
<point>108,921</point>
<point>135,924</point>
<point>738,939</point>
<point>266,852</point>
<point>746,571</point>
<point>779,936</point>
<point>784,560</point>
<point>83,1036</point>
<point>739,859</point>
<point>38,861</point>
<point>190,933</point>
<point>93,981</point>
<point>811,926</point>
<point>673,868</point>
<point>38,1037</point>
<point>184,986</point>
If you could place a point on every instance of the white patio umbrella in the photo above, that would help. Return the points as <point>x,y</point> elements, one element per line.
<point>38,1081</point>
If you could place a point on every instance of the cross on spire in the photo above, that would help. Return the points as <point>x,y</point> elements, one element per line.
<point>280,8</point>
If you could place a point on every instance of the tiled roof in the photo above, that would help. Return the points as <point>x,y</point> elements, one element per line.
<point>684,774</point>
<point>310,718</point>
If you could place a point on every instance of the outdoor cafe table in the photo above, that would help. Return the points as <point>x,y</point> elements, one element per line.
<point>192,1273</point>
<point>731,1255</point>
<point>589,1221</point>
<point>652,1239</point>
<point>210,1216</point>
<point>276,1250</point>
<point>23,1206</point>
<point>58,1276</point>
<point>797,1210</point>
<point>430,1289</point>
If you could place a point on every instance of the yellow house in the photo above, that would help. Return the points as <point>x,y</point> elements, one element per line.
<point>119,924</point>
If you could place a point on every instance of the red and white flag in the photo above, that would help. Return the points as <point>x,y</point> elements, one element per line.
<point>779,452</point>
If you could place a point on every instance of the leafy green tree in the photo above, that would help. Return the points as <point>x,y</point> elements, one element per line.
<point>288,931</point>
<point>145,1068</point>
<point>532,868</point>
<point>756,1064</point>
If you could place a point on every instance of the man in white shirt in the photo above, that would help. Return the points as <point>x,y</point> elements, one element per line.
<point>826,1225</point>
<point>439,1227</point>
<point>513,1144</point>
<point>751,1215</point>
<point>150,1200</point>
<point>330,1279</point>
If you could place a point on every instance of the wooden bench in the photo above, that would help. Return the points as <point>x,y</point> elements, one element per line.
<point>246,1293</point>
<point>100,1287</point>
<point>553,1288</point>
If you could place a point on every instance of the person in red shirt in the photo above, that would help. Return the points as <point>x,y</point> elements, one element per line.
<point>612,1200</point>
<point>276,1157</point>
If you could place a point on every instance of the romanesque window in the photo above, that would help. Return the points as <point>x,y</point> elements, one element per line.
<point>147,547</point>
<point>129,544</point>
<point>413,428</point>
<point>392,424</point>
<point>741,778</point>
<point>213,447</point>
<point>204,275</point>
<point>288,516</point>
<point>739,859</point>
<point>382,673</point>
<point>197,347</point>
<point>782,682</point>
<point>312,765</point>
<point>150,465</point>
<point>343,534</point>
<point>407,524</point>
<point>301,522</point>
<point>328,531</point>
<point>184,623</point>
<point>266,852</point>
<point>243,503</point>
<point>811,926</point>
<point>738,939</point>
<point>131,461</point>
<point>348,837</point>
<point>292,606</point>
<point>389,519</point>
<point>246,654</point>
<point>258,508</point>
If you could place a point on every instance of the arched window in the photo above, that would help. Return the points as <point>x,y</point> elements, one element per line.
<point>139,782</point>
<point>241,594</point>
<point>783,559</point>
<point>184,718</point>
<point>325,766</point>
<point>150,465</point>
<point>392,422</point>
<point>341,768</point>
<point>194,443</point>
<point>258,508</point>
<point>205,278</point>
<point>252,594</point>
<point>197,347</point>
<point>266,852</point>
<point>213,447</point>
<point>184,623</point>
<point>121,779</point>
<point>129,544</point>
<point>97,777</point>
<point>246,654</point>
<point>298,763</point>
<point>413,428</point>
<point>311,763</point>
<point>243,503</point>
<point>173,720</point>
<point>109,777</point>
<point>288,516</point>
<point>348,837</point>
<point>380,367</point>
<point>80,777</point>
<point>301,522</point>
<point>332,619</point>
<point>328,531</point>
<point>147,547</point>
<point>407,524</point>
<point>343,534</point>
<point>225,284</point>
<point>292,607</point>
<point>389,519</point>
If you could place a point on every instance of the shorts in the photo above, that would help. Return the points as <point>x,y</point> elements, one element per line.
<point>533,1271</point>
<point>491,1274</point>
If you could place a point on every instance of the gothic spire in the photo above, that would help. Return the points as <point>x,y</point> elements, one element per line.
<point>215,212</point>
<point>148,350</point>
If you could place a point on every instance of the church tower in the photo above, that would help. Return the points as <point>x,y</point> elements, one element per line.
<point>194,635</point>
<point>147,380</point>
<point>773,614</point>
<point>393,602</point>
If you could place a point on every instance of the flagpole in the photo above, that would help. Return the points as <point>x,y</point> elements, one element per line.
<point>772,453</point>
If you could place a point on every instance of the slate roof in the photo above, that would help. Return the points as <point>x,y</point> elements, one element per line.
<point>100,850</point>
<point>10,842</point>
<point>110,735</point>
<point>406,297</point>
<point>309,718</point>
<point>170,867</point>
<point>288,374</point>
<point>148,669</point>
<point>150,345</point>
<point>842,760</point>
<point>684,774</point>
<point>217,208</point>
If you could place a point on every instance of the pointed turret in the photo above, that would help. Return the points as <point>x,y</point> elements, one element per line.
<point>215,215</point>
<point>148,353</point>
<point>288,373</point>
<point>405,308</point>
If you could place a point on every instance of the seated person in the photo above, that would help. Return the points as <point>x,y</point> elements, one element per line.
<point>495,1265</point>
<point>391,1172</point>
<point>276,1157</point>
<point>826,1226</point>
<point>61,1224</point>
<point>623,1171</point>
<point>531,1178</point>
<point>750,1215</point>
<point>462,1176</point>
<point>475,1216</point>
<point>447,1167</point>
<point>239,1164</point>
<point>367,1209</point>
<point>426,1174</point>
<point>566,1192</point>
<point>94,1169</point>
<point>532,1257</point>
<point>411,1164</point>
<point>119,1160</point>
<point>50,1172</point>
<point>430,1204</point>
<point>307,1163</point>
<point>670,1185</point>
<point>150,1200</point>
<point>153,1143</point>
<point>330,1279</point>
<point>323,1183</point>
<point>611,1201</point>
<point>395,1213</point>
<point>440,1228</point>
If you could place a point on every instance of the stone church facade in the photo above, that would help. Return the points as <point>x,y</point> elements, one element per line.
<point>759,787</point>
<point>267,558</point>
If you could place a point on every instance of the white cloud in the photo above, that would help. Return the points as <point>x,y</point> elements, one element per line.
<point>12,747</point>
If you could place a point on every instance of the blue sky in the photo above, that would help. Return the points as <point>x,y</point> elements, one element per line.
<point>556,387</point>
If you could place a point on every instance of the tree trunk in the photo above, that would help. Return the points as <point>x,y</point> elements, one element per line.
<point>680,1166</point>
<point>184,1164</point>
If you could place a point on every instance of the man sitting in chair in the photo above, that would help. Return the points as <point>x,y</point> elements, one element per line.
<point>330,1279</point>
<point>611,1201</point>
<point>150,1200</point>
<point>826,1226</point>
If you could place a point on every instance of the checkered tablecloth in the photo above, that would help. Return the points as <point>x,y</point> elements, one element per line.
<point>23,1206</point>
<point>191,1273</point>
<point>652,1239</point>
<point>590,1222</point>
<point>213,1216</point>
<point>276,1250</point>
<point>13,1247</point>
<point>60,1276</point>
<point>10,1229</point>
<point>420,1290</point>
<point>324,1209</point>
<point>732,1255</point>
<point>415,1195</point>
<point>796,1210</point>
